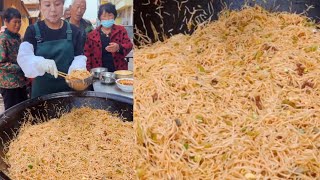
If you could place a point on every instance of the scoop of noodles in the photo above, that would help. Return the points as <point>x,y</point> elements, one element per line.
<point>78,74</point>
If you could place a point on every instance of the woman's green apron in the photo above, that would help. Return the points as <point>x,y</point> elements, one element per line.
<point>62,52</point>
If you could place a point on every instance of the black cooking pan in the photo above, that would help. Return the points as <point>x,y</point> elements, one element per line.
<point>51,106</point>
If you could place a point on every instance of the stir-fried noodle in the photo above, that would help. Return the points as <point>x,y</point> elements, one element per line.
<point>82,144</point>
<point>237,99</point>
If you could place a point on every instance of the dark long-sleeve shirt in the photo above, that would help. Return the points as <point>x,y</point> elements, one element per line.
<point>54,34</point>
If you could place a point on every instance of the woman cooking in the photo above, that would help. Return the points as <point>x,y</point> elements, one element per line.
<point>108,44</point>
<point>50,46</point>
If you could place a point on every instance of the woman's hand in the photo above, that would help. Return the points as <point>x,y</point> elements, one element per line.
<point>113,47</point>
<point>48,66</point>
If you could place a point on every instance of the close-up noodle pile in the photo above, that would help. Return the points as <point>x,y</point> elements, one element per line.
<point>237,99</point>
<point>82,144</point>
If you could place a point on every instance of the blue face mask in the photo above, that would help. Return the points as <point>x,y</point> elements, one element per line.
<point>107,23</point>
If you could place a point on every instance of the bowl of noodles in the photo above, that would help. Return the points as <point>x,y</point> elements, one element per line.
<point>79,80</point>
<point>123,74</point>
<point>125,84</point>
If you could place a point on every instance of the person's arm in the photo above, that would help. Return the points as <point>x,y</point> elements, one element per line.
<point>80,60</point>
<point>89,28</point>
<point>88,52</point>
<point>33,65</point>
<point>126,45</point>
<point>4,63</point>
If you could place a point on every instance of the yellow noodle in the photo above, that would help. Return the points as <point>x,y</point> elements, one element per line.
<point>237,99</point>
<point>127,82</point>
<point>79,79</point>
<point>78,74</point>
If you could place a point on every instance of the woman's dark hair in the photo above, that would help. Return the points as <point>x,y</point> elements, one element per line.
<point>11,13</point>
<point>108,8</point>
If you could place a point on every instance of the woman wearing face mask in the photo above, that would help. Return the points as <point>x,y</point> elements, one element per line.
<point>12,81</point>
<point>50,46</point>
<point>108,44</point>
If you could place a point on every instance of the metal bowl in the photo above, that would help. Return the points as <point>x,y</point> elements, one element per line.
<point>96,71</point>
<point>123,74</point>
<point>79,84</point>
<point>107,77</point>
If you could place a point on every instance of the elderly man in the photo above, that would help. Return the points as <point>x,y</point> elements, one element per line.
<point>78,8</point>
<point>66,14</point>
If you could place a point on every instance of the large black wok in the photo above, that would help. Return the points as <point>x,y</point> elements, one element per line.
<point>50,106</point>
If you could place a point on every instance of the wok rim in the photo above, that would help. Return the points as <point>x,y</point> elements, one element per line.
<point>115,97</point>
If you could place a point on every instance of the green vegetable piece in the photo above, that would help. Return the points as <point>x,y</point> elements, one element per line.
<point>197,158</point>
<point>186,146</point>
<point>224,156</point>
<point>201,68</point>
<point>252,133</point>
<point>208,145</point>
<point>199,117</point>
<point>258,54</point>
<point>153,136</point>
<point>290,103</point>
<point>229,123</point>
<point>295,39</point>
<point>118,171</point>
<point>311,49</point>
